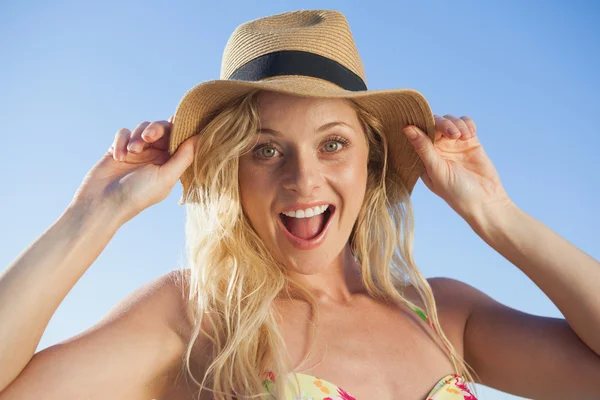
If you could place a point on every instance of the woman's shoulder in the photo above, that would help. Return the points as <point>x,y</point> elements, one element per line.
<point>172,293</point>
<point>454,302</point>
<point>451,295</point>
<point>142,339</point>
<point>158,304</point>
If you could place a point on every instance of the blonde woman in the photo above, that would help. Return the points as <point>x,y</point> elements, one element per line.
<point>301,281</point>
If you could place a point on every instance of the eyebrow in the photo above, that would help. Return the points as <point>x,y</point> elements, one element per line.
<point>328,125</point>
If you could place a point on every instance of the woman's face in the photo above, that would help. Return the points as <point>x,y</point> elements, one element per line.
<point>309,153</point>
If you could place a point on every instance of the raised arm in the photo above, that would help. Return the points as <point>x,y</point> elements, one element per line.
<point>139,340</point>
<point>528,355</point>
<point>32,288</point>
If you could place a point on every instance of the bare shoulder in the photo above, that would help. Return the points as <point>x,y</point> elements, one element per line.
<point>160,302</point>
<point>172,301</point>
<point>454,302</point>
<point>137,346</point>
<point>451,296</point>
<point>528,355</point>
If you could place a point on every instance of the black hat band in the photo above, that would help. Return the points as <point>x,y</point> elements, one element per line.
<point>291,62</point>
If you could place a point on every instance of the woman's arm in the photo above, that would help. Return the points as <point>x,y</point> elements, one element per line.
<point>129,354</point>
<point>123,355</point>
<point>567,275</point>
<point>528,355</point>
<point>34,285</point>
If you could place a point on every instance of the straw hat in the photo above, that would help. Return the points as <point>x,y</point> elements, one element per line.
<point>306,53</point>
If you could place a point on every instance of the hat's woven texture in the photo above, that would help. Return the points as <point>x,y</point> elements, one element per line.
<point>321,32</point>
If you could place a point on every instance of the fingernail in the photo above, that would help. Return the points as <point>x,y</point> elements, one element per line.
<point>453,131</point>
<point>134,147</point>
<point>411,133</point>
<point>149,133</point>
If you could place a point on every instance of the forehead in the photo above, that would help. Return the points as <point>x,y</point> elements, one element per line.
<point>280,108</point>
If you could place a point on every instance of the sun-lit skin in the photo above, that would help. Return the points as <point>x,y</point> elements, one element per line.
<point>305,164</point>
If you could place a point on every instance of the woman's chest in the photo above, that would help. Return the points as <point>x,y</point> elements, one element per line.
<point>370,350</point>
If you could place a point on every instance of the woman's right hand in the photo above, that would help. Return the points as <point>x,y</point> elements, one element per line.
<point>137,171</point>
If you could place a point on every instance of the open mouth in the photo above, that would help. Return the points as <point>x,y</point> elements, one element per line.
<point>307,229</point>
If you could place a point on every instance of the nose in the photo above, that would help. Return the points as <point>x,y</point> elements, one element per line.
<point>302,174</point>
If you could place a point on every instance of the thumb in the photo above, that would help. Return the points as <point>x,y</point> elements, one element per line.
<point>422,145</point>
<point>181,160</point>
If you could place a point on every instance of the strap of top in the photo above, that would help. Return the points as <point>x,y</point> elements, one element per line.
<point>423,316</point>
<point>419,312</point>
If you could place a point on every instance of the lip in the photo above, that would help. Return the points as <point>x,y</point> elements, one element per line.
<point>302,244</point>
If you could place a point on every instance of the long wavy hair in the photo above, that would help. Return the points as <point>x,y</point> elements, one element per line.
<point>234,278</point>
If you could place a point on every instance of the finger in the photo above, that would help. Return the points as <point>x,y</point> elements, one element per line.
<point>423,146</point>
<point>110,152</point>
<point>471,124</point>
<point>465,133</point>
<point>133,146</point>
<point>120,144</point>
<point>171,119</point>
<point>445,127</point>
<point>157,134</point>
<point>180,161</point>
<point>153,135</point>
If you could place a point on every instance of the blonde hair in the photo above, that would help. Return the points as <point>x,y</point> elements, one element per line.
<point>234,278</point>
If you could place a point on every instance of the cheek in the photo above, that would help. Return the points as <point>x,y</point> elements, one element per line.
<point>255,190</point>
<point>353,175</point>
<point>351,178</point>
<point>254,181</point>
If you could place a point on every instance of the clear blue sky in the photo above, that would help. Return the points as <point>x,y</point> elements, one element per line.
<point>73,73</point>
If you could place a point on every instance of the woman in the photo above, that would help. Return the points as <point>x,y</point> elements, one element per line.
<point>299,232</point>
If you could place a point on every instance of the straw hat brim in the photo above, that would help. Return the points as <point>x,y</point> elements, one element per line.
<point>395,108</point>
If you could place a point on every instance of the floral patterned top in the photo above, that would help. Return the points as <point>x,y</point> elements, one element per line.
<point>450,387</point>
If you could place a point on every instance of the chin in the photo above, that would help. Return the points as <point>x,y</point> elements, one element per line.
<point>309,262</point>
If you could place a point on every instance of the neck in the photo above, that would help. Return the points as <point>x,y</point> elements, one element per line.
<point>336,284</point>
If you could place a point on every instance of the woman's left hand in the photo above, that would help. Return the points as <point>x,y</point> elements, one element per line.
<point>457,168</point>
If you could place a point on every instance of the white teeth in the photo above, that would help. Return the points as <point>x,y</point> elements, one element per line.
<point>309,212</point>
